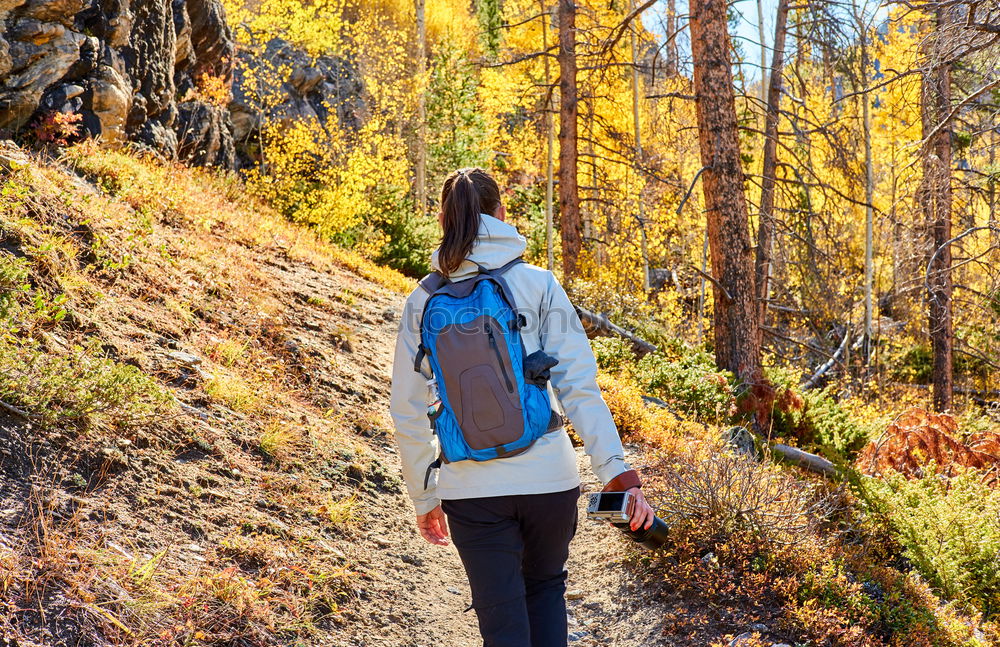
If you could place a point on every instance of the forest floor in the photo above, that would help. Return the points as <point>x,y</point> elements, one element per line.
<point>263,506</point>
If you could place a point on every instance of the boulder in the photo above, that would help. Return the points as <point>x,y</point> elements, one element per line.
<point>149,63</point>
<point>184,57</point>
<point>40,55</point>
<point>212,38</point>
<point>315,89</point>
<point>124,65</point>
<point>205,136</point>
<point>57,11</point>
<point>106,105</point>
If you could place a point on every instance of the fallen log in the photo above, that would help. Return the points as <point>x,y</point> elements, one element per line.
<point>813,381</point>
<point>598,325</point>
<point>805,460</point>
<point>743,441</point>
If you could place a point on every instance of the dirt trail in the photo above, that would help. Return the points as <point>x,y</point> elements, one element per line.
<point>205,482</point>
<point>417,593</point>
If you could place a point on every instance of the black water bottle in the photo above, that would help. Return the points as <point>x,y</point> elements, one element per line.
<point>650,538</point>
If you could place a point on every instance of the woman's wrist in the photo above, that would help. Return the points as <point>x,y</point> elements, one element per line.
<point>625,481</point>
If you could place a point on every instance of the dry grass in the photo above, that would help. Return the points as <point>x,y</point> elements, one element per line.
<point>143,267</point>
<point>726,493</point>
<point>218,202</point>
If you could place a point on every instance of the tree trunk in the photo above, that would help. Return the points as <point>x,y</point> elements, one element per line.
<point>672,54</point>
<point>992,200</point>
<point>550,136</point>
<point>637,127</point>
<point>936,199</point>
<point>569,194</point>
<point>869,194</point>
<point>420,190</point>
<point>763,52</point>
<point>765,231</point>
<point>737,345</point>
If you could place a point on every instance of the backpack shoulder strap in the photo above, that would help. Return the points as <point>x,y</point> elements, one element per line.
<point>433,282</point>
<point>502,269</point>
<point>497,275</point>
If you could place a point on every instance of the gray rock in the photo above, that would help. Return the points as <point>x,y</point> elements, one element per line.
<point>123,65</point>
<point>316,89</point>
<point>205,136</point>
<point>740,440</point>
<point>109,99</point>
<point>41,54</point>
<point>187,359</point>
<point>62,11</point>
<point>211,37</point>
<point>578,635</point>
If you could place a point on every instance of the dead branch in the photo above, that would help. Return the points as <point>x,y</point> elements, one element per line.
<point>600,326</point>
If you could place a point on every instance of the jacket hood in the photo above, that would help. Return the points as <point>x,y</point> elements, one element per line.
<point>497,243</point>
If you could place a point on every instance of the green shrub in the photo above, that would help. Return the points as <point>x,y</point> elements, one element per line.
<point>691,383</point>
<point>13,281</point>
<point>817,418</point>
<point>948,529</point>
<point>526,211</point>
<point>82,387</point>
<point>832,426</point>
<point>613,354</point>
<point>914,366</point>
<point>624,308</point>
<point>409,238</point>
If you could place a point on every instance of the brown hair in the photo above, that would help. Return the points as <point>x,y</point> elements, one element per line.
<point>466,193</point>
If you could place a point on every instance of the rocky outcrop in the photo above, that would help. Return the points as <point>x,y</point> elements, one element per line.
<point>150,72</point>
<point>131,68</point>
<point>315,89</point>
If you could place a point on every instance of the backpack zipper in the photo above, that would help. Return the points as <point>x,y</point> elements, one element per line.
<point>496,350</point>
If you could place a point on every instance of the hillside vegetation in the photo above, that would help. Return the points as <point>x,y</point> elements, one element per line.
<point>212,210</point>
<point>195,451</point>
<point>191,402</point>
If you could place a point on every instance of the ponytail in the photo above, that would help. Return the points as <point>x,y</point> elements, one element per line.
<point>466,194</point>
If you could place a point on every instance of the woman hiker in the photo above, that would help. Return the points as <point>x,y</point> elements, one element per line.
<point>465,391</point>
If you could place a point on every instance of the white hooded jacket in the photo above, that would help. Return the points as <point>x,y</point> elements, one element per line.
<point>549,465</point>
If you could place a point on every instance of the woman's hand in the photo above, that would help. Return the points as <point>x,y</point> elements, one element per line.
<point>432,527</point>
<point>642,513</point>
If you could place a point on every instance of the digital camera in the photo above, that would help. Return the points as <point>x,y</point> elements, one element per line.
<point>616,509</point>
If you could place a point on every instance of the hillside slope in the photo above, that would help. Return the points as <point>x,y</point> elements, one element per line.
<point>195,450</point>
<point>194,436</point>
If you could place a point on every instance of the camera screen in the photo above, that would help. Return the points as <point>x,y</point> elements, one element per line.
<point>611,502</point>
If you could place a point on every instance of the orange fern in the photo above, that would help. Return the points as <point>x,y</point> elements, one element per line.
<point>917,437</point>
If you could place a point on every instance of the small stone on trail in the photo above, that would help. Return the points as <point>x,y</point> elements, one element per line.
<point>761,627</point>
<point>382,542</point>
<point>411,559</point>
<point>575,594</point>
<point>744,638</point>
<point>578,635</point>
<point>453,590</point>
<point>187,359</point>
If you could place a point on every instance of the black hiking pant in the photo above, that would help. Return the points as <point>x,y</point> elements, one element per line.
<point>514,549</point>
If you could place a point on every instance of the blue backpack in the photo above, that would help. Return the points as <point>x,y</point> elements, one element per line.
<point>494,399</point>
